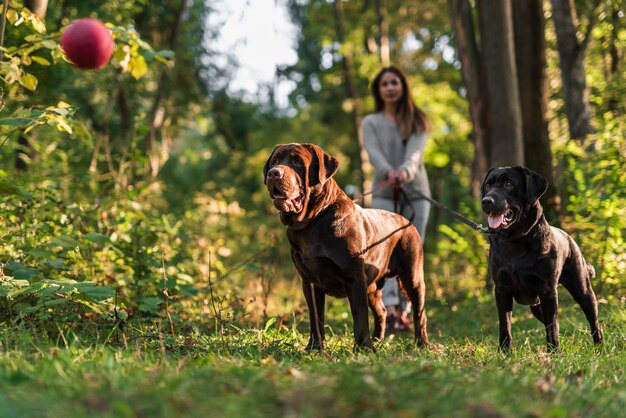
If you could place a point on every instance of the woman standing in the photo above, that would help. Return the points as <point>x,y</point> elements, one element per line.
<point>395,138</point>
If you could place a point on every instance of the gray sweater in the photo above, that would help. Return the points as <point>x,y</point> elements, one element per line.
<point>387,151</point>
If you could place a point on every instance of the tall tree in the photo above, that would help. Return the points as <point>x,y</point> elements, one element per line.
<point>498,57</point>
<point>352,93</point>
<point>572,47</point>
<point>473,79</point>
<point>383,29</point>
<point>158,157</point>
<point>530,57</point>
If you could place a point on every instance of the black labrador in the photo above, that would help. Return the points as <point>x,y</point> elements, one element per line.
<point>528,258</point>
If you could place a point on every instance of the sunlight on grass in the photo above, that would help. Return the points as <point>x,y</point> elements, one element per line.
<point>265,372</point>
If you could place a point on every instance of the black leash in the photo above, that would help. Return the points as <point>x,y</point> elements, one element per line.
<point>398,191</point>
<point>475,226</point>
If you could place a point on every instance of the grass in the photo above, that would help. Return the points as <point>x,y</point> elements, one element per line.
<point>265,373</point>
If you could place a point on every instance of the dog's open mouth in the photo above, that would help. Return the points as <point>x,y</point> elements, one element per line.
<point>502,220</point>
<point>287,204</point>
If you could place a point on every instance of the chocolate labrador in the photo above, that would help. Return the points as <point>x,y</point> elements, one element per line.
<point>528,258</point>
<point>341,249</point>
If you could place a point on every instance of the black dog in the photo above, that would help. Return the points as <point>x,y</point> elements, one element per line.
<point>528,258</point>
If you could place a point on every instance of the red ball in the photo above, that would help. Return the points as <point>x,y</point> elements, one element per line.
<point>87,43</point>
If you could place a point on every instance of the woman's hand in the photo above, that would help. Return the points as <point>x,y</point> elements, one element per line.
<point>400,176</point>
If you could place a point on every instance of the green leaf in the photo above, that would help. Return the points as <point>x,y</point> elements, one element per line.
<point>150,305</point>
<point>8,187</point>
<point>40,60</point>
<point>52,302</point>
<point>55,263</point>
<point>40,253</point>
<point>268,324</point>
<point>17,122</point>
<point>166,53</point>
<point>64,241</point>
<point>49,44</point>
<point>22,272</point>
<point>95,291</point>
<point>28,81</point>
<point>122,314</point>
<point>97,238</point>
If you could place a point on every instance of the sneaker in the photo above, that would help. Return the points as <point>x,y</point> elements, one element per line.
<point>403,324</point>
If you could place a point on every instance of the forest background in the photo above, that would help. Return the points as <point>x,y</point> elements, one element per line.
<point>133,203</point>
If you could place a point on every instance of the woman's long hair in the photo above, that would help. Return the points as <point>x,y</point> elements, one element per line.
<point>410,118</point>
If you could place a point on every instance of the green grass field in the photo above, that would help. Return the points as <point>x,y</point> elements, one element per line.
<point>241,372</point>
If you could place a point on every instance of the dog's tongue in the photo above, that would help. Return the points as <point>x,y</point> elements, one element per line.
<point>495,221</point>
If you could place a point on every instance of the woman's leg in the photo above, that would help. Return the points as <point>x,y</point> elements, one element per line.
<point>393,298</point>
<point>420,219</point>
<point>420,210</point>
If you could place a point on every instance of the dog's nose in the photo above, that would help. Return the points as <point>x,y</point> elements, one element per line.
<point>275,173</point>
<point>488,201</point>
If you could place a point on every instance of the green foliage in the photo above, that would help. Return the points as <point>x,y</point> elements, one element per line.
<point>462,374</point>
<point>593,189</point>
<point>46,264</point>
<point>44,257</point>
<point>141,256</point>
<point>144,178</point>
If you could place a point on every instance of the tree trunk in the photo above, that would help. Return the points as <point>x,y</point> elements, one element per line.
<point>473,80</point>
<point>383,29</point>
<point>38,7</point>
<point>615,102</point>
<point>572,62</point>
<point>617,55</point>
<point>158,111</point>
<point>353,96</point>
<point>498,55</point>
<point>530,56</point>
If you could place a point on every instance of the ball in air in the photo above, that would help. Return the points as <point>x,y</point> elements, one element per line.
<point>87,44</point>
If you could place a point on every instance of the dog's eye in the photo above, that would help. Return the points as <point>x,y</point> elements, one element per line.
<point>508,185</point>
<point>487,187</point>
<point>295,161</point>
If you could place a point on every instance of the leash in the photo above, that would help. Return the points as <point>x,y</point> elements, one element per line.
<point>398,192</point>
<point>475,226</point>
<point>381,185</point>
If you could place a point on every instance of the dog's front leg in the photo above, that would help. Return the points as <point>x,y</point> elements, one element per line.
<point>315,299</point>
<point>504,302</point>
<point>357,295</point>
<point>549,311</point>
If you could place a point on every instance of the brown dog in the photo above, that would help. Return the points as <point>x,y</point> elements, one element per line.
<point>340,249</point>
<point>528,258</point>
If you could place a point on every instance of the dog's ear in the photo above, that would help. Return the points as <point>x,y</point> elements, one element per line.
<point>482,186</point>
<point>266,167</point>
<point>536,185</point>
<point>323,166</point>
